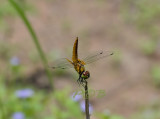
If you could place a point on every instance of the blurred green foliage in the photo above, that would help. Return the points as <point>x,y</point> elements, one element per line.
<point>30,106</point>
<point>107,115</point>
<point>150,111</point>
<point>6,9</point>
<point>17,71</point>
<point>67,109</point>
<point>147,114</point>
<point>155,73</point>
<point>7,12</point>
<point>145,14</point>
<point>40,105</point>
<point>148,47</point>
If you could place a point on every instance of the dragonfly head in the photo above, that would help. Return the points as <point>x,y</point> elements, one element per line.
<point>85,75</point>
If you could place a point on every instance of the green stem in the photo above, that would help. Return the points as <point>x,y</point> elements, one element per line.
<point>86,100</point>
<point>34,38</point>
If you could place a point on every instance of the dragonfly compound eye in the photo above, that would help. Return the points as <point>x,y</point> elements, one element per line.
<point>86,75</point>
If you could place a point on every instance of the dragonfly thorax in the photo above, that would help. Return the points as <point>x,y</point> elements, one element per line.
<point>81,62</point>
<point>79,67</point>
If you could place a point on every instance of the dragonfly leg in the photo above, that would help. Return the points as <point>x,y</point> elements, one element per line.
<point>82,80</point>
<point>79,80</point>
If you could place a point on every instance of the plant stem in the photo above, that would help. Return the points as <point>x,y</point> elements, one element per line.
<point>86,100</point>
<point>35,39</point>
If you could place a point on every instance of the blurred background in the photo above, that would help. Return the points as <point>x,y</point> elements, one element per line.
<point>123,86</point>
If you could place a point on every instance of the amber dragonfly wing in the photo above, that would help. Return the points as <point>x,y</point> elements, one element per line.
<point>97,56</point>
<point>62,64</point>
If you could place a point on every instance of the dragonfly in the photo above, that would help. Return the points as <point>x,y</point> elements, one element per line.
<point>79,64</point>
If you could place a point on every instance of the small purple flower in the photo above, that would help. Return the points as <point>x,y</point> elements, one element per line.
<point>15,61</point>
<point>82,105</point>
<point>18,115</point>
<point>25,93</point>
<point>76,97</point>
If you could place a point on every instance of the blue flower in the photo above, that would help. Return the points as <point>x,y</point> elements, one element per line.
<point>15,61</point>
<point>82,105</point>
<point>76,97</point>
<point>25,93</point>
<point>18,115</point>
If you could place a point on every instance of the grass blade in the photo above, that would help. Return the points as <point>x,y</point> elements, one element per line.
<point>34,38</point>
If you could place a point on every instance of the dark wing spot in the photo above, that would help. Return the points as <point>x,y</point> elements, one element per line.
<point>112,53</point>
<point>101,52</point>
